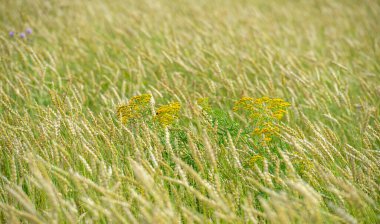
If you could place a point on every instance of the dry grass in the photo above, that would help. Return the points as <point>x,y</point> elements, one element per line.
<point>66,158</point>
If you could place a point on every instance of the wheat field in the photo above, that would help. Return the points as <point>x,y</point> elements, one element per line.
<point>189,111</point>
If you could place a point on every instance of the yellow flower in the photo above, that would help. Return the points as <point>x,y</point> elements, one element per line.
<point>123,113</point>
<point>255,115</point>
<point>285,104</point>
<point>141,99</point>
<point>167,114</point>
<point>267,139</point>
<point>264,113</point>
<point>257,131</point>
<point>278,116</point>
<point>265,99</point>
<point>134,109</point>
<point>245,103</point>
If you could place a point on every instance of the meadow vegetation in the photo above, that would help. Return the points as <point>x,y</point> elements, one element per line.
<point>190,111</point>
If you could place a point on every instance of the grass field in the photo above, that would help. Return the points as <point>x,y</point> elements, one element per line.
<point>190,111</point>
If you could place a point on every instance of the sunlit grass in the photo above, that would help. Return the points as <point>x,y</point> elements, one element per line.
<point>128,111</point>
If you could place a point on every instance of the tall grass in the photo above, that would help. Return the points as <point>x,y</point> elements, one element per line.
<point>65,157</point>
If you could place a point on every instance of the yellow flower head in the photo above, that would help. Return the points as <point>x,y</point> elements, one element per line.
<point>167,114</point>
<point>245,103</point>
<point>267,139</point>
<point>143,99</point>
<point>277,115</point>
<point>264,113</point>
<point>134,109</point>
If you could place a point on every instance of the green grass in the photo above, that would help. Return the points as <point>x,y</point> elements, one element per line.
<point>66,158</point>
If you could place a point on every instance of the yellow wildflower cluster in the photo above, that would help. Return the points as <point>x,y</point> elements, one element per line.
<point>204,104</point>
<point>265,106</point>
<point>265,112</point>
<point>267,130</point>
<point>134,109</point>
<point>167,114</point>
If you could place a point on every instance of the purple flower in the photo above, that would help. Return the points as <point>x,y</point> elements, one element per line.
<point>12,34</point>
<point>22,35</point>
<point>28,31</point>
